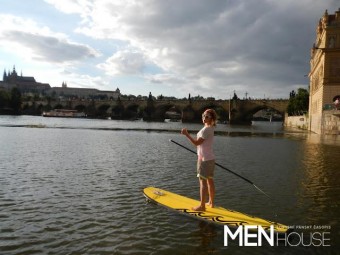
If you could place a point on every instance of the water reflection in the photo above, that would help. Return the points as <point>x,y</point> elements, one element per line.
<point>323,139</point>
<point>319,187</point>
<point>208,233</point>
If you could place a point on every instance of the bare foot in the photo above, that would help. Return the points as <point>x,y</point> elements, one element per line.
<point>209,204</point>
<point>198,208</point>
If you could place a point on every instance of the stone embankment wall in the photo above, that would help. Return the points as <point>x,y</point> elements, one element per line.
<point>296,121</point>
<point>331,122</point>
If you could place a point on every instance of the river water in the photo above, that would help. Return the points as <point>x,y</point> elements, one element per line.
<point>74,186</point>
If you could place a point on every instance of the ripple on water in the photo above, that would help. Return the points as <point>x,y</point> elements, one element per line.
<point>71,191</point>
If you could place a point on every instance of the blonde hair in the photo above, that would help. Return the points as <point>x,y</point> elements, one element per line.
<point>213,115</point>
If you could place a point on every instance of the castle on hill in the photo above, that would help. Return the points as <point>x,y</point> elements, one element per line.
<point>28,84</point>
<point>25,84</point>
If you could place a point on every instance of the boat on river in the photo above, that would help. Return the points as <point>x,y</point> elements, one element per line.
<point>64,113</point>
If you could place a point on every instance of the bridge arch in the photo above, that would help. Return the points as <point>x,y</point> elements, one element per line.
<point>132,111</point>
<point>80,108</point>
<point>174,113</point>
<point>127,112</point>
<point>222,114</point>
<point>168,111</point>
<point>248,116</point>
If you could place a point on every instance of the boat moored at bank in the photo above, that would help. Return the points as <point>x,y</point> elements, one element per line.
<point>64,113</point>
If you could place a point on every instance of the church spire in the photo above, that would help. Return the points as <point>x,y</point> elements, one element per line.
<point>5,76</point>
<point>14,73</point>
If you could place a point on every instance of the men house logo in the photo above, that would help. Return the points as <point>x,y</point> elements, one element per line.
<point>253,235</point>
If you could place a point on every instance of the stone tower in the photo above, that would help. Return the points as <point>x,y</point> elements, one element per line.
<point>325,69</point>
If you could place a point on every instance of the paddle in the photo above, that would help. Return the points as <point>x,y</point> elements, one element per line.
<point>243,178</point>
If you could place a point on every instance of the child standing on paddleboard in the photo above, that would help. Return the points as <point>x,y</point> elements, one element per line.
<point>206,158</point>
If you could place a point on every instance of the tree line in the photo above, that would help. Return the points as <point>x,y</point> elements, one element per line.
<point>298,102</point>
<point>10,101</point>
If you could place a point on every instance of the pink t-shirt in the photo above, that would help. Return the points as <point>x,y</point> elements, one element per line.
<point>205,150</point>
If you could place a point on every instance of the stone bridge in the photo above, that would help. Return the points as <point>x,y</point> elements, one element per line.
<point>235,110</point>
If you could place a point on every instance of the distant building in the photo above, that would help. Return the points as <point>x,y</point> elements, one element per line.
<point>65,91</point>
<point>27,84</point>
<point>325,70</point>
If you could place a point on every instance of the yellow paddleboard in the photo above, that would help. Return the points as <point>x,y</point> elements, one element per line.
<point>217,215</point>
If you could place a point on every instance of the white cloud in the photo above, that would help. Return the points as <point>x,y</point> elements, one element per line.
<point>165,79</point>
<point>124,62</point>
<point>40,52</point>
<point>259,47</point>
<point>200,43</point>
<point>85,81</point>
<point>74,6</point>
<point>30,40</point>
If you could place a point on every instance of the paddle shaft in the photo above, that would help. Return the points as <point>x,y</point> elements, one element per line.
<point>243,178</point>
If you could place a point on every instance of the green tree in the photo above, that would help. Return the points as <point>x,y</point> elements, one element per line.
<point>118,109</point>
<point>15,102</point>
<point>298,102</point>
<point>5,98</point>
<point>102,110</point>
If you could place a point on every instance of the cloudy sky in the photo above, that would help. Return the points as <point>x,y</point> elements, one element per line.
<point>168,47</point>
